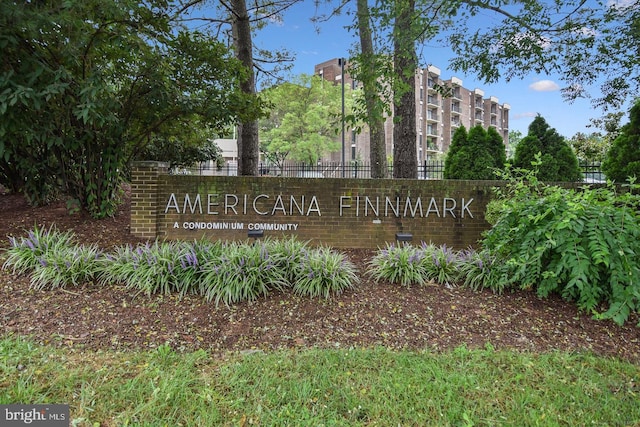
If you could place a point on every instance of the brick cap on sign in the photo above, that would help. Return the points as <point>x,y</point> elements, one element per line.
<point>150,164</point>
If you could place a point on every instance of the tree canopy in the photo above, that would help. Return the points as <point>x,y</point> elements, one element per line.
<point>85,84</point>
<point>304,119</point>
<point>585,43</point>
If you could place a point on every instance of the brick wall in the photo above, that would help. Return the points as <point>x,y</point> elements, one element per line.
<point>144,198</point>
<point>345,213</point>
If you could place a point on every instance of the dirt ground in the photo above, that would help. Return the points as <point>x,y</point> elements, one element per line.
<point>95,317</point>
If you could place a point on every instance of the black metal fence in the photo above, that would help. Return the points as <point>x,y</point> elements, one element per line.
<point>429,169</point>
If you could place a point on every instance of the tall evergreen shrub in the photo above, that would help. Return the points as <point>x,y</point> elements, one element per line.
<point>623,158</point>
<point>474,155</point>
<point>558,161</point>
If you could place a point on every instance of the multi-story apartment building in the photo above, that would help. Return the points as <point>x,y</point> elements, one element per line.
<point>441,107</point>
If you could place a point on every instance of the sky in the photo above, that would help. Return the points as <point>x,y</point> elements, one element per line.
<point>536,94</point>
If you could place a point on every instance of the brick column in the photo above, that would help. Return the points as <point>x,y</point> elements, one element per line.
<point>144,197</point>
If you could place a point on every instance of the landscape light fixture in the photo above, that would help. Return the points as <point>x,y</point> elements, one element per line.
<point>255,234</point>
<point>404,237</point>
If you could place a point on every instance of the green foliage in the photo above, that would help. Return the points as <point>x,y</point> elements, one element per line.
<point>595,45</point>
<point>242,273</point>
<point>515,136</point>
<point>85,85</point>
<point>182,153</point>
<point>558,162</point>
<point>399,264</point>
<point>581,244</point>
<point>25,253</point>
<point>324,272</point>
<point>67,266</point>
<point>376,386</point>
<point>440,264</point>
<point>474,155</point>
<point>304,120</point>
<point>225,272</point>
<point>623,158</point>
<point>589,148</point>
<point>478,271</point>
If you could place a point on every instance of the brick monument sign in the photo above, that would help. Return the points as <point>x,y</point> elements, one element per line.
<point>342,213</point>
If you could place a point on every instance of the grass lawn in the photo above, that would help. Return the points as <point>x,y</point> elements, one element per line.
<point>320,387</point>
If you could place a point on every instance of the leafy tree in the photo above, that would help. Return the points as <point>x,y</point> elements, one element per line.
<point>515,136</point>
<point>405,62</point>
<point>623,159</point>
<point>304,120</point>
<point>558,162</point>
<point>180,154</point>
<point>366,64</point>
<point>496,148</point>
<point>86,85</point>
<point>457,154</point>
<point>474,155</point>
<point>589,148</point>
<point>583,42</point>
<point>236,21</point>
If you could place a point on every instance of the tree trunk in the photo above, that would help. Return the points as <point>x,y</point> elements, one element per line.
<point>377,146</point>
<point>248,145</point>
<point>405,158</point>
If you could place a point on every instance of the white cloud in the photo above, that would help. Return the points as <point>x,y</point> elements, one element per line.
<point>622,4</point>
<point>587,32</point>
<point>526,115</point>
<point>544,86</point>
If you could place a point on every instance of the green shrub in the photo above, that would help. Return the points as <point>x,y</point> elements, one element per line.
<point>622,161</point>
<point>401,264</point>
<point>323,272</point>
<point>66,265</point>
<point>477,270</point>
<point>582,244</point>
<point>148,267</point>
<point>25,253</point>
<point>474,155</point>
<point>243,273</point>
<point>557,163</point>
<point>440,264</point>
<point>287,254</point>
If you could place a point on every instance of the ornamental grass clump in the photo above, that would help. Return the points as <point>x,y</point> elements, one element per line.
<point>477,271</point>
<point>323,272</point>
<point>66,265</point>
<point>150,268</point>
<point>287,254</point>
<point>25,253</point>
<point>401,264</point>
<point>440,264</point>
<point>243,273</point>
